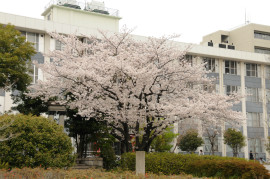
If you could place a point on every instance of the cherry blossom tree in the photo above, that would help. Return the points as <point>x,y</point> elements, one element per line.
<point>140,87</point>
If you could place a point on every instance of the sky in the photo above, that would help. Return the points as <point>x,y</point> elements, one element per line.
<point>191,19</point>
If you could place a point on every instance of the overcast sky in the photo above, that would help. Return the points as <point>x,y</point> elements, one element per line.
<point>192,19</point>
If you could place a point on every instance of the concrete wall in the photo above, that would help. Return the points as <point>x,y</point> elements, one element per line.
<point>81,18</point>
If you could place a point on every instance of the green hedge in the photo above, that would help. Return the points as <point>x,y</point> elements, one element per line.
<point>201,166</point>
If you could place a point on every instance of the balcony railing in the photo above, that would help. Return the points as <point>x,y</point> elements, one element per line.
<point>84,6</point>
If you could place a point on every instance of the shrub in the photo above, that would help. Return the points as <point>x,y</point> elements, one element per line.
<point>190,141</point>
<point>201,166</point>
<point>38,141</point>
<point>128,161</point>
<point>3,165</point>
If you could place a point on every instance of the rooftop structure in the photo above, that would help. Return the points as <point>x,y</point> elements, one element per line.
<point>93,6</point>
<point>250,38</point>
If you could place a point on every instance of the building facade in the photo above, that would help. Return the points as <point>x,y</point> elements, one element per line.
<point>240,66</point>
<point>249,37</point>
<point>251,77</point>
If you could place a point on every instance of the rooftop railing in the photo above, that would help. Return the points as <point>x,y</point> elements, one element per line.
<point>84,6</point>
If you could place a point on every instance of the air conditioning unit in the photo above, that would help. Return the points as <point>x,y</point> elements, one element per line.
<point>63,2</point>
<point>95,5</point>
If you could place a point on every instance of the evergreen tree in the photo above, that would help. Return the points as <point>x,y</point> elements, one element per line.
<point>15,59</point>
<point>234,139</point>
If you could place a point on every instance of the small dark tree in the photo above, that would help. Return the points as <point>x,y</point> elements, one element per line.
<point>234,139</point>
<point>162,143</point>
<point>190,141</point>
<point>27,105</point>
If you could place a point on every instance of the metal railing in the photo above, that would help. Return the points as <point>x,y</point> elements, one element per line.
<point>85,6</point>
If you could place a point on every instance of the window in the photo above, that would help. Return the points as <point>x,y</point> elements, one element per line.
<point>34,75</point>
<point>188,58</point>
<point>230,67</point>
<point>209,64</point>
<point>229,149</point>
<point>262,50</point>
<point>32,37</point>
<point>58,45</point>
<point>268,120</point>
<point>267,91</point>
<point>262,35</point>
<point>255,145</point>
<point>252,70</point>
<point>267,72</point>
<point>253,94</point>
<point>254,119</point>
<point>211,88</point>
<point>224,38</point>
<point>49,17</point>
<point>231,89</point>
<point>2,92</point>
<point>207,145</point>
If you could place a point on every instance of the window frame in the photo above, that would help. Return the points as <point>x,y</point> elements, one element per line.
<point>232,89</point>
<point>34,75</point>
<point>230,69</point>
<point>255,119</point>
<point>210,64</point>
<point>255,94</point>
<point>251,69</point>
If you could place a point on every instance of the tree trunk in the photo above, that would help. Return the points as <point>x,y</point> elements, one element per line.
<point>235,153</point>
<point>80,147</point>
<point>212,149</point>
<point>126,144</point>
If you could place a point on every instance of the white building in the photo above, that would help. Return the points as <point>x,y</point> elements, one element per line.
<point>245,71</point>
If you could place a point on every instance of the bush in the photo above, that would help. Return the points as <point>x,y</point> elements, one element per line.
<point>201,166</point>
<point>38,141</point>
<point>190,141</point>
<point>3,165</point>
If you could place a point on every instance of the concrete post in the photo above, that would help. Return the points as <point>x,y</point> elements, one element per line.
<point>51,116</point>
<point>140,162</point>
<point>61,119</point>
<point>243,92</point>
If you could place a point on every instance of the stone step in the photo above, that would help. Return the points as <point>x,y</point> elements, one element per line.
<point>81,167</point>
<point>81,164</point>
